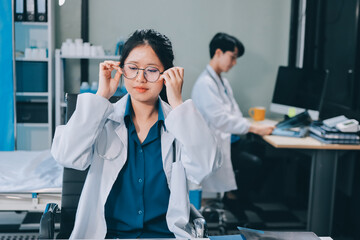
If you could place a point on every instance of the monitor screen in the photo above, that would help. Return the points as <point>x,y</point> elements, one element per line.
<point>299,90</point>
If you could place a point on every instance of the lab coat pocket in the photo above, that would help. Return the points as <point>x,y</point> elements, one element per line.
<point>108,145</point>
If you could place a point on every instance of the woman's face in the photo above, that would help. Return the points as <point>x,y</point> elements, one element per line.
<point>139,88</point>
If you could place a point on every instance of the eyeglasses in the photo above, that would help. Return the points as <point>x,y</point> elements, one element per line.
<point>151,74</point>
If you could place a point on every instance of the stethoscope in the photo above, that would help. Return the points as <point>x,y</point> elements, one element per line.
<point>216,82</point>
<point>118,154</point>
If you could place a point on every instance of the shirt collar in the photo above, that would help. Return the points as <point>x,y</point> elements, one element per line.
<point>128,112</point>
<point>217,79</point>
<point>212,73</point>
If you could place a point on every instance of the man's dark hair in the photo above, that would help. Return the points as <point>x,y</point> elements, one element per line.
<point>225,42</point>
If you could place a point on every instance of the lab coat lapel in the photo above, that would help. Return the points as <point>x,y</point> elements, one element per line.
<point>118,116</point>
<point>223,90</point>
<point>121,130</point>
<point>166,152</point>
<point>166,143</point>
<point>112,168</point>
<point>122,133</point>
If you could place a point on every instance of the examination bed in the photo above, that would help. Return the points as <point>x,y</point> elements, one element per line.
<point>29,180</point>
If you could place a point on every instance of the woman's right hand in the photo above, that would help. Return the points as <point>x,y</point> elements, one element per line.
<point>108,85</point>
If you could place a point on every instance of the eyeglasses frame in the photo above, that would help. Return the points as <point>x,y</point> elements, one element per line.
<point>143,72</point>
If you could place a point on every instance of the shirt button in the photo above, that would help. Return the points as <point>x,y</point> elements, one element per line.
<point>140,180</point>
<point>140,212</point>
<point>140,150</point>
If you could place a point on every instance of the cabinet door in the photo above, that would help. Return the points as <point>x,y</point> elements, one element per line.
<point>31,76</point>
<point>32,136</point>
<point>340,44</point>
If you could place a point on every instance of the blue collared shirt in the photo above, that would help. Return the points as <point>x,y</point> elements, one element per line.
<point>137,204</point>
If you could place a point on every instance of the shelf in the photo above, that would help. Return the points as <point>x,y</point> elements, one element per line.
<point>33,81</point>
<point>112,57</point>
<point>42,125</point>
<point>32,59</point>
<point>32,94</point>
<point>24,23</point>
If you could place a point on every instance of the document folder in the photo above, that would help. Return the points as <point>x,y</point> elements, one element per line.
<point>41,10</point>
<point>30,10</point>
<point>19,10</point>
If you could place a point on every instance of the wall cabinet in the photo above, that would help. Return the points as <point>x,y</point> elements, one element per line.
<point>33,80</point>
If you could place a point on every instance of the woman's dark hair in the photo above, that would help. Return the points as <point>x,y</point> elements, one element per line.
<point>157,41</point>
<point>225,42</point>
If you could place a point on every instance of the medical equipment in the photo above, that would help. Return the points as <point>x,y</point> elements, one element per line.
<point>29,180</point>
<point>350,125</point>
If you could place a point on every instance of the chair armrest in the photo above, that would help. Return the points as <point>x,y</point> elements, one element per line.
<point>199,223</point>
<point>47,221</point>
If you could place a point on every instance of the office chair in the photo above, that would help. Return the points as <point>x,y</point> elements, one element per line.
<point>73,181</point>
<point>222,214</point>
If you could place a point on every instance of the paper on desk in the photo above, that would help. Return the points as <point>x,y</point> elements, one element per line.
<point>268,122</point>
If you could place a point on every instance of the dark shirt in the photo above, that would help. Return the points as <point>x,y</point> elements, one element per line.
<point>137,204</point>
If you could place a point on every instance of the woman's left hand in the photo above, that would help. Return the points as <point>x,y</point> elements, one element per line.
<point>173,80</point>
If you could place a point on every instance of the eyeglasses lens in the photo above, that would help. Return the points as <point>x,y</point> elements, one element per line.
<point>151,74</point>
<point>130,71</point>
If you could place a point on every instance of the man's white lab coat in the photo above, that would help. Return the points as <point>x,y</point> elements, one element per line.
<point>96,136</point>
<point>216,103</point>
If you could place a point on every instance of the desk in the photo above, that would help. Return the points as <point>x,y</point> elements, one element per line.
<point>324,158</point>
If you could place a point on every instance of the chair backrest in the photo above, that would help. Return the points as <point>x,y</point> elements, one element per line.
<point>73,181</point>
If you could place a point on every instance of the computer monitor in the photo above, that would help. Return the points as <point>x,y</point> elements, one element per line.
<point>298,90</point>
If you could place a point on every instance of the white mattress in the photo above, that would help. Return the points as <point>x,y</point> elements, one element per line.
<point>29,171</point>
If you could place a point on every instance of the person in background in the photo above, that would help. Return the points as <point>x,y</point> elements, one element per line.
<point>140,151</point>
<point>213,96</point>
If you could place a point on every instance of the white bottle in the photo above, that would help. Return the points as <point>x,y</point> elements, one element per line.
<point>85,87</point>
<point>86,49</point>
<point>94,87</point>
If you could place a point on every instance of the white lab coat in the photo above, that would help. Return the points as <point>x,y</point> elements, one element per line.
<point>224,117</point>
<point>96,136</point>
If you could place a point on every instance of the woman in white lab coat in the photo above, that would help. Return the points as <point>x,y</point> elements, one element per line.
<point>98,135</point>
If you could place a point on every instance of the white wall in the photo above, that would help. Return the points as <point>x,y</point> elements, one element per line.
<point>262,25</point>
